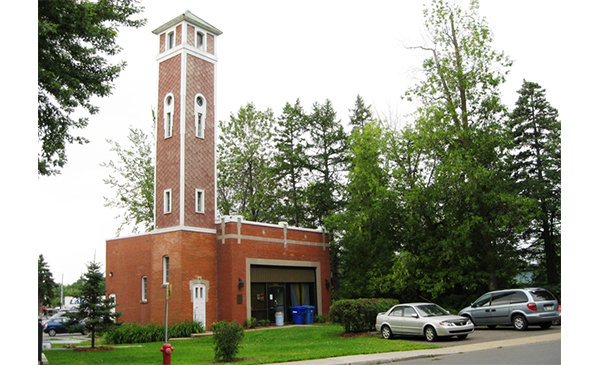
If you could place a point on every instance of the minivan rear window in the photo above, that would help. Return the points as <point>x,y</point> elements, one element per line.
<point>541,295</point>
<point>518,297</point>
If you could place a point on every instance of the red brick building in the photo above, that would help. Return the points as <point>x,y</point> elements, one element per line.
<point>230,269</point>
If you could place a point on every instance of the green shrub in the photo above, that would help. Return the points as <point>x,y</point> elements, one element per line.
<point>254,323</point>
<point>135,333</point>
<point>185,329</point>
<point>250,322</point>
<point>359,315</point>
<point>226,339</point>
<point>320,318</point>
<point>263,323</point>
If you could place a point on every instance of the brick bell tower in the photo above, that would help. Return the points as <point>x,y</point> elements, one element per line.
<point>185,180</point>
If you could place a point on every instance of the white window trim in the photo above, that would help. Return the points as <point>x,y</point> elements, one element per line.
<point>168,201</point>
<point>199,204</point>
<point>168,114</point>
<point>200,110</point>
<point>166,264</point>
<point>144,289</point>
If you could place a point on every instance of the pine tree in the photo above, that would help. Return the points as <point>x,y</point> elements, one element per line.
<point>536,166</point>
<point>46,284</point>
<point>290,163</point>
<point>95,311</point>
<point>327,148</point>
<point>361,114</point>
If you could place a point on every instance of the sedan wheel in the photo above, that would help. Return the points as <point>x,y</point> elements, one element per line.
<point>519,322</point>
<point>430,334</point>
<point>386,332</point>
<point>52,332</point>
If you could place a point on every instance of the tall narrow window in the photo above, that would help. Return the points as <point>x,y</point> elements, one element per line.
<point>200,113</point>
<point>167,201</point>
<point>200,40</point>
<point>144,289</point>
<point>169,125</point>
<point>199,201</point>
<point>170,40</point>
<point>169,108</point>
<point>165,269</point>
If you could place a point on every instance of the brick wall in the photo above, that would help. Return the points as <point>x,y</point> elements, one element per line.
<point>192,255</point>
<point>168,150</point>
<point>197,255</point>
<point>200,152</point>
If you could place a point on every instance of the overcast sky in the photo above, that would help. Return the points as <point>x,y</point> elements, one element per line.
<point>273,52</point>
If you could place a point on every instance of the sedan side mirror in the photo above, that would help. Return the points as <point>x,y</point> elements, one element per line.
<point>414,315</point>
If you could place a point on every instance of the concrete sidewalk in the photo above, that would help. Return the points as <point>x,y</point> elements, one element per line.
<point>389,357</point>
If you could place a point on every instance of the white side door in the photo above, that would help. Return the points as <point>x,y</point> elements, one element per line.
<point>199,300</point>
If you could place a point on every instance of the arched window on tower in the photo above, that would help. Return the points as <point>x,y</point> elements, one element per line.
<point>200,115</point>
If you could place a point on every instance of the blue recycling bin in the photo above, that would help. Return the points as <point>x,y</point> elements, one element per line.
<point>298,313</point>
<point>309,314</point>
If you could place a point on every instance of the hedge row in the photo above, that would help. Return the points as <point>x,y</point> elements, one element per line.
<point>359,315</point>
<point>135,333</point>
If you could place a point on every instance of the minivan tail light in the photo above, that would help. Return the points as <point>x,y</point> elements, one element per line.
<point>532,306</point>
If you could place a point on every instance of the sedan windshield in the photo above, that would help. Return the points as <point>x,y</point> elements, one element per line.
<point>431,310</point>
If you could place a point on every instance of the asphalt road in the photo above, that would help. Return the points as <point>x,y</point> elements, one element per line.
<point>65,338</point>
<point>542,353</point>
<point>484,334</point>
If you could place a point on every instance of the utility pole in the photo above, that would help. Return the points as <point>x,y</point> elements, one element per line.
<point>168,296</point>
<point>62,280</point>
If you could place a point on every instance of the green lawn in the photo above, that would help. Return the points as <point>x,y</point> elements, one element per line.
<point>259,347</point>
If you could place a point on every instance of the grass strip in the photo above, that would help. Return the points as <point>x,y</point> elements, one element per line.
<point>259,347</point>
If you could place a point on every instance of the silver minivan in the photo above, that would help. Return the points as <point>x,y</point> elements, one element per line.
<point>517,307</point>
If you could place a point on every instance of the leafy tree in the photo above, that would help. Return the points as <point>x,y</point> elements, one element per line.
<point>326,161</point>
<point>74,39</point>
<point>536,165</point>
<point>290,163</point>
<point>366,235</point>
<point>467,202</point>
<point>244,165</point>
<point>132,177</point>
<point>46,284</point>
<point>98,312</point>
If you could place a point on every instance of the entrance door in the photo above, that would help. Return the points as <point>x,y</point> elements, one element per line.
<point>199,295</point>
<point>276,301</point>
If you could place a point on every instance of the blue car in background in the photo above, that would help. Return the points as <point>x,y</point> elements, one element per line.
<point>63,325</point>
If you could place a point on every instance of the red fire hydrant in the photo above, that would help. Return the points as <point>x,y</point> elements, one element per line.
<point>166,350</point>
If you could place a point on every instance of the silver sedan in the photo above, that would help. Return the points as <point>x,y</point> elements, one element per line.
<point>422,319</point>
